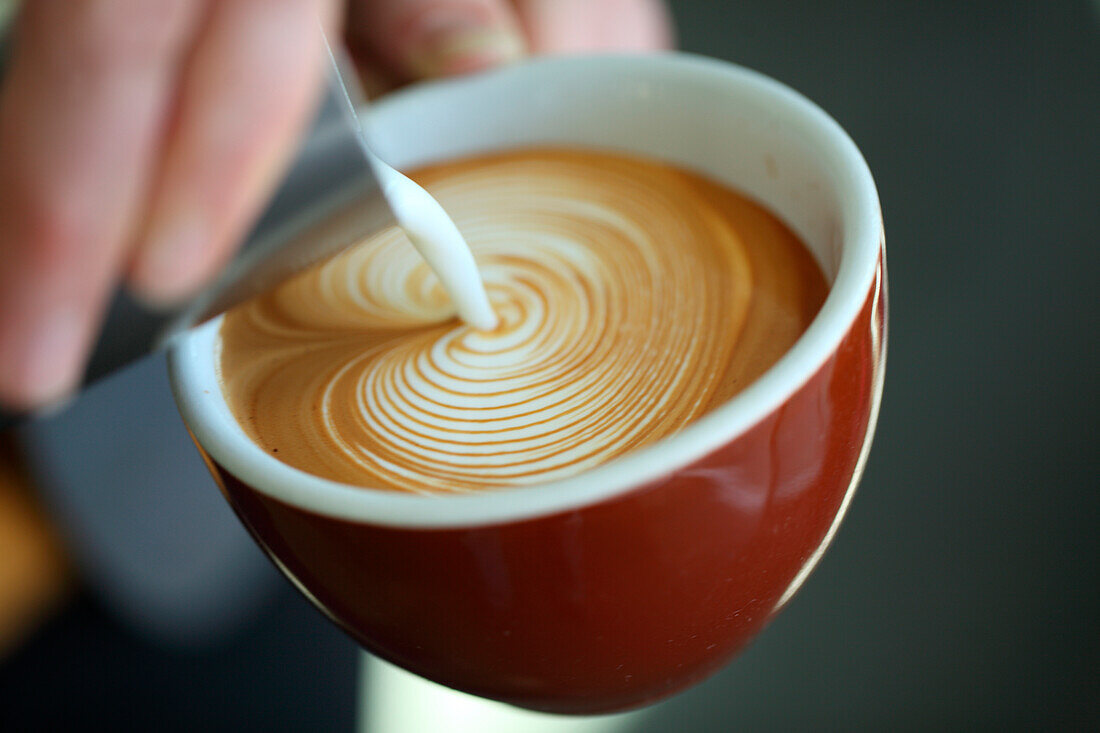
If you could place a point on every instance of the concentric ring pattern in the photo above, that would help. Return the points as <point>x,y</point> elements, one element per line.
<point>632,297</point>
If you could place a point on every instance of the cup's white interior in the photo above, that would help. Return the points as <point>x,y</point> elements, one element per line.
<point>730,123</point>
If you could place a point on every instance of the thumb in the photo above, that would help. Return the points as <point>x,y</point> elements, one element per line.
<point>416,39</point>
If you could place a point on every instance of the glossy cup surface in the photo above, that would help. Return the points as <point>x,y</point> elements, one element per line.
<point>624,584</point>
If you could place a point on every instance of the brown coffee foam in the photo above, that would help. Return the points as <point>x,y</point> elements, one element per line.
<point>633,297</point>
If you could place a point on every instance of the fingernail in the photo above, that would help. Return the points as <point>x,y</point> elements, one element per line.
<point>452,42</point>
<point>169,266</point>
<point>51,361</point>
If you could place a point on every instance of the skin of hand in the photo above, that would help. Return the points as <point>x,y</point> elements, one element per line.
<point>139,139</point>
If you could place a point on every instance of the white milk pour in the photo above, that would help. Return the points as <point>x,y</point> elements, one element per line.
<point>439,242</point>
<point>425,222</point>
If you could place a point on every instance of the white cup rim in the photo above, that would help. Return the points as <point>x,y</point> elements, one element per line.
<point>204,409</point>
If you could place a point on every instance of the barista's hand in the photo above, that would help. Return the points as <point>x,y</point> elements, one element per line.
<point>140,138</point>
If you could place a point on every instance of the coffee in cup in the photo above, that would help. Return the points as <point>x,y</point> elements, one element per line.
<point>633,296</point>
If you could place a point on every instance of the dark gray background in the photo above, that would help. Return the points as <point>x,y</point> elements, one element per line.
<point>961,592</point>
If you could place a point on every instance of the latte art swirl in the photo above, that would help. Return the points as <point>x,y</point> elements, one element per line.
<point>632,297</point>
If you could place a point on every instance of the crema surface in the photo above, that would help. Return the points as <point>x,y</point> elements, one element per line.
<point>633,297</point>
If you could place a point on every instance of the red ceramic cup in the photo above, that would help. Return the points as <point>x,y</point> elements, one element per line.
<point>624,584</point>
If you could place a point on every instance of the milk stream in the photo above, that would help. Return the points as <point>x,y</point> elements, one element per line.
<point>424,221</point>
<point>439,242</point>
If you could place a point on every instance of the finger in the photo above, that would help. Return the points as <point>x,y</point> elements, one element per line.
<point>415,39</point>
<point>576,26</point>
<point>243,100</point>
<point>80,115</point>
